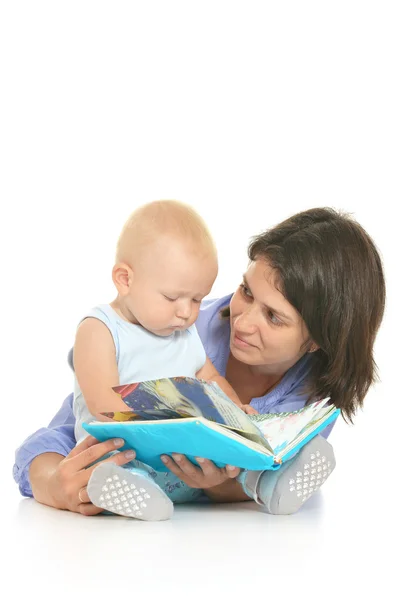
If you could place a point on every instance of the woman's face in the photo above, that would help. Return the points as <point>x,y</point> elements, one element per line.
<point>266,330</point>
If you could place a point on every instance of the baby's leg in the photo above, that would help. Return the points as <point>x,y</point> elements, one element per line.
<point>136,490</point>
<point>282,492</point>
<point>176,490</point>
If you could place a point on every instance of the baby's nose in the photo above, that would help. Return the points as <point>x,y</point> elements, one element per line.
<point>183,310</point>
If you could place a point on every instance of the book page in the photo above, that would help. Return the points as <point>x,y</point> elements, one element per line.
<point>233,416</point>
<point>142,415</point>
<point>326,410</point>
<point>189,397</point>
<point>324,414</point>
<point>282,428</point>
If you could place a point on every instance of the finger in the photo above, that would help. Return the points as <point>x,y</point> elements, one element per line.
<point>232,472</point>
<point>120,459</point>
<point>187,467</point>
<point>86,443</point>
<point>83,495</point>
<point>250,410</point>
<point>209,469</point>
<point>92,453</point>
<point>172,466</point>
<point>89,510</point>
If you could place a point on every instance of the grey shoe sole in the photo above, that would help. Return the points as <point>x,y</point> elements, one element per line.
<point>302,477</point>
<point>128,493</point>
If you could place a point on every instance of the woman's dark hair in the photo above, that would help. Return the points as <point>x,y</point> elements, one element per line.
<point>330,270</point>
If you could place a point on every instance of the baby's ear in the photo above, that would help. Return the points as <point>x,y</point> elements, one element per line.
<point>122,276</point>
<point>70,359</point>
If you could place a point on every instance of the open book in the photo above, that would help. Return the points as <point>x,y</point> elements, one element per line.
<point>194,417</point>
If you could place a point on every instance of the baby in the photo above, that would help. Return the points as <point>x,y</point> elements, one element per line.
<point>166,263</point>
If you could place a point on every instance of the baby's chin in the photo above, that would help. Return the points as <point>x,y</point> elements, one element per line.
<point>166,331</point>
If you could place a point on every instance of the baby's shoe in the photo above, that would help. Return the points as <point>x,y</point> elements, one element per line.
<point>128,492</point>
<point>282,492</point>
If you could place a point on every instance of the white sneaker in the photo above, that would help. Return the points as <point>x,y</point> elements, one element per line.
<point>283,491</point>
<point>129,493</point>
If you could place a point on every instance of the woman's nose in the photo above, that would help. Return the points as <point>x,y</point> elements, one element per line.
<point>246,321</point>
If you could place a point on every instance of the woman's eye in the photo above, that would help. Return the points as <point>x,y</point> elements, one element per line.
<point>274,319</point>
<point>245,290</point>
<point>170,299</point>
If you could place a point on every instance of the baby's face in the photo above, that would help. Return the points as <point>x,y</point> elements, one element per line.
<point>168,286</point>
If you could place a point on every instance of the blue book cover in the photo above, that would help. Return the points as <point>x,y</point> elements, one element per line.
<point>194,437</point>
<point>195,418</point>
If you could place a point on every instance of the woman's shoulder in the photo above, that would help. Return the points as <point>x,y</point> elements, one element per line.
<point>213,329</point>
<point>214,305</point>
<point>209,314</point>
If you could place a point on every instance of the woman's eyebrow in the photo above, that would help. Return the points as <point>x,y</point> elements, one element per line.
<point>280,313</point>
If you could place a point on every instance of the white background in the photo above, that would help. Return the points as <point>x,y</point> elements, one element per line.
<point>249,111</point>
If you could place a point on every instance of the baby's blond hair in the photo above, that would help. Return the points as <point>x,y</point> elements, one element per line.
<point>163,218</point>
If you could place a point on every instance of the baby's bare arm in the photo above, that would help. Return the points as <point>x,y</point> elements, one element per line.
<point>95,367</point>
<point>210,373</point>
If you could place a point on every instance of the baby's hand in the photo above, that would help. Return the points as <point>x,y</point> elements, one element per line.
<point>248,409</point>
<point>103,417</point>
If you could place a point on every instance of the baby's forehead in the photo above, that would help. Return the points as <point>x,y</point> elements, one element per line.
<point>186,275</point>
<point>178,252</point>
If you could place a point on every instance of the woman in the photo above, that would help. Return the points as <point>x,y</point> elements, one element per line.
<point>301,326</point>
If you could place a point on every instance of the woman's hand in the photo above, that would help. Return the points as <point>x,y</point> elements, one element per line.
<point>207,475</point>
<point>61,482</point>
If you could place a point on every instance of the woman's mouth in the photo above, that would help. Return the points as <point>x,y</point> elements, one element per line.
<point>241,342</point>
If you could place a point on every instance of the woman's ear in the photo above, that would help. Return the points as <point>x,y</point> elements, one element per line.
<point>313,348</point>
<point>122,276</point>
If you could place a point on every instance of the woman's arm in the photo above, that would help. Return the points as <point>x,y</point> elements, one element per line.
<point>50,468</point>
<point>41,471</point>
<point>57,438</point>
<point>61,482</point>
